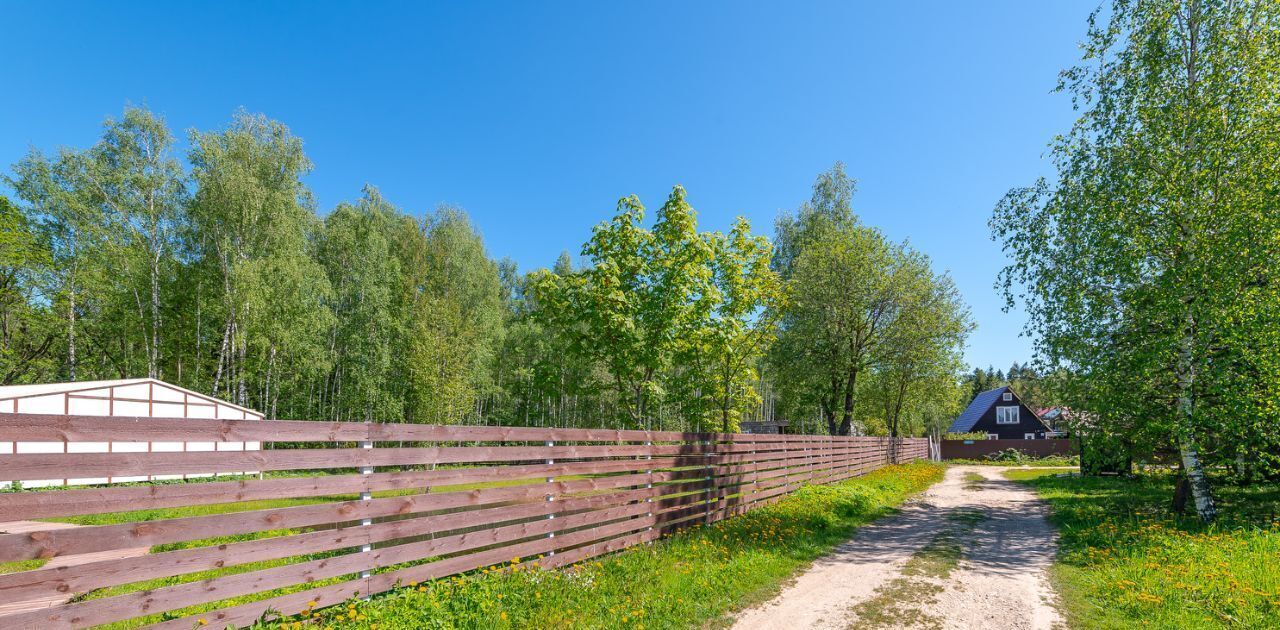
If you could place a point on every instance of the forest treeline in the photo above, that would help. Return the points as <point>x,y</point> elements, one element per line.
<point>215,270</point>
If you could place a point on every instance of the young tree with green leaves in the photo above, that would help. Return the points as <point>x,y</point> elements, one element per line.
<point>139,186</point>
<point>921,353</point>
<point>1149,266</point>
<point>455,324</point>
<point>841,302</point>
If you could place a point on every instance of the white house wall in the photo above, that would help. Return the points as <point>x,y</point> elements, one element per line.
<point>141,399</point>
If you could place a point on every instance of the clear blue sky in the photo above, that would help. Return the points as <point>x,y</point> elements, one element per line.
<point>536,117</point>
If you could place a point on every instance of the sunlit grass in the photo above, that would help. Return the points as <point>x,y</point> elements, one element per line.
<point>1126,561</point>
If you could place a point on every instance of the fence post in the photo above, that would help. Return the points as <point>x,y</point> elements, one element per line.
<point>550,495</point>
<point>649,485</point>
<point>365,497</point>
<point>711,487</point>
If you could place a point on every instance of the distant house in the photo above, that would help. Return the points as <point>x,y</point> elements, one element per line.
<point>1056,418</point>
<point>1000,414</point>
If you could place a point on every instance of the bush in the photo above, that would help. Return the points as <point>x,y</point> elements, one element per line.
<point>1008,455</point>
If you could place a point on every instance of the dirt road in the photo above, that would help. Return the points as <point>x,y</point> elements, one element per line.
<point>971,552</point>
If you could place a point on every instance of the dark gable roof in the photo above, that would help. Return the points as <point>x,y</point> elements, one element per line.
<point>981,403</point>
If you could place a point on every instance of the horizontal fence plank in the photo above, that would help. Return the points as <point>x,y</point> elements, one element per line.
<point>27,427</point>
<point>82,578</point>
<point>59,542</point>
<point>168,598</point>
<point>94,465</point>
<point>54,503</point>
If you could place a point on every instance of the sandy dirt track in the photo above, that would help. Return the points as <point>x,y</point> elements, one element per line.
<point>968,553</point>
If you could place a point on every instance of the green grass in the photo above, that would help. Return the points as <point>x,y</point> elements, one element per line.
<point>1126,561</point>
<point>21,565</point>
<point>690,580</point>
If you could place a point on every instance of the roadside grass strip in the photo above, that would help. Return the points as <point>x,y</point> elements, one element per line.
<point>692,579</point>
<point>973,481</point>
<point>1126,561</point>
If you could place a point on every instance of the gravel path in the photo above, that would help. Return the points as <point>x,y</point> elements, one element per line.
<point>971,552</point>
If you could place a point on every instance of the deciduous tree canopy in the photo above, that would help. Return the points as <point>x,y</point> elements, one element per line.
<point>221,275</point>
<point>1149,265</point>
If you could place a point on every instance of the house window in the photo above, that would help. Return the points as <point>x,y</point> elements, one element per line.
<point>1007,414</point>
<point>993,436</point>
<point>1028,436</point>
<point>1008,396</point>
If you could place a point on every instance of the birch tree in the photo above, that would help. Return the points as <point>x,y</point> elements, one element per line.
<point>1148,264</point>
<point>139,186</point>
<point>255,226</point>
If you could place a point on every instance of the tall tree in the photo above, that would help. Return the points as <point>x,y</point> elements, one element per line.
<point>1149,267</point>
<point>138,184</point>
<point>255,225</point>
<point>609,311</point>
<point>921,353</point>
<point>841,305</point>
<point>57,203</point>
<point>456,318</point>
<point>734,335</point>
<point>357,250</point>
<point>28,329</point>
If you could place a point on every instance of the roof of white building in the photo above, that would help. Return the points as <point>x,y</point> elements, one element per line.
<point>9,392</point>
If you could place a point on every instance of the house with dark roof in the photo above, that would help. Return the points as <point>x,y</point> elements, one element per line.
<point>1000,414</point>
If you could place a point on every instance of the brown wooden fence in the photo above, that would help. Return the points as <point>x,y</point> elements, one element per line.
<point>394,504</point>
<point>980,449</point>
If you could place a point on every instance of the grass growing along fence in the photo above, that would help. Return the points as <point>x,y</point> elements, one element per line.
<point>1012,457</point>
<point>1126,561</point>
<point>686,581</point>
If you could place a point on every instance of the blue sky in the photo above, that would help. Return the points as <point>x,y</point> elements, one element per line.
<point>537,117</point>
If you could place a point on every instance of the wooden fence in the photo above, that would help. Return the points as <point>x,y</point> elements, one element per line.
<point>378,505</point>
<point>980,449</point>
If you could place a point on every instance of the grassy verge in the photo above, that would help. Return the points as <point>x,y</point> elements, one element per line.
<point>690,580</point>
<point>1126,561</point>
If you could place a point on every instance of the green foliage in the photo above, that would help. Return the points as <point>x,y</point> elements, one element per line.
<point>456,320</point>
<point>690,579</point>
<point>256,227</point>
<point>27,328</point>
<point>1015,457</point>
<point>1149,267</point>
<point>964,436</point>
<point>674,319</point>
<point>219,275</point>
<point>868,330</point>
<point>359,251</point>
<point>1126,561</point>
<point>1020,458</point>
<point>1035,390</point>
